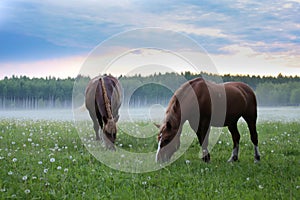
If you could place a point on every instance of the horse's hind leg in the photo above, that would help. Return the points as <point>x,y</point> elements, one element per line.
<point>236,141</point>
<point>96,128</point>
<point>95,124</point>
<point>254,138</point>
<point>98,122</point>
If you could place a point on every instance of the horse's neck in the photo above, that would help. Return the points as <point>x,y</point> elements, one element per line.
<point>174,115</point>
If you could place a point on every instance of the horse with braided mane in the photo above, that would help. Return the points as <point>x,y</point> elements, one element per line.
<point>103,99</point>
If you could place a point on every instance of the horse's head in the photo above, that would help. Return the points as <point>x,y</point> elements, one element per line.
<point>168,141</point>
<point>110,130</point>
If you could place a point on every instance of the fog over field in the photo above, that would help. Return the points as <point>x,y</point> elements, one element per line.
<point>152,113</point>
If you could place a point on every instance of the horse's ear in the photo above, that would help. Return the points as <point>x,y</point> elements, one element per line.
<point>157,125</point>
<point>168,125</point>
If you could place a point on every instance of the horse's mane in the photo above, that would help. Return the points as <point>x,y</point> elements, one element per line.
<point>173,111</point>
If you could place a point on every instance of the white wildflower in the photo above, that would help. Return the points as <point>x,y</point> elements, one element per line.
<point>24,178</point>
<point>27,191</point>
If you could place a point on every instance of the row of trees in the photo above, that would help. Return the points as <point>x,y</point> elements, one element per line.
<point>281,94</point>
<point>36,93</point>
<point>23,92</point>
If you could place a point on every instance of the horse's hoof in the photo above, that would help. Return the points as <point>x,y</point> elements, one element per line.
<point>233,159</point>
<point>98,138</point>
<point>110,147</point>
<point>206,158</point>
<point>256,159</point>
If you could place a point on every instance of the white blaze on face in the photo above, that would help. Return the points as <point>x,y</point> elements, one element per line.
<point>158,149</point>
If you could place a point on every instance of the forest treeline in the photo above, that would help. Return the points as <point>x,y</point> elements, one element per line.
<point>38,93</point>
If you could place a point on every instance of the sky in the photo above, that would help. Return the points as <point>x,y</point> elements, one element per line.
<point>55,38</point>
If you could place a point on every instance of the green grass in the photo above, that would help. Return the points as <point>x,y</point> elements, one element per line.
<point>28,147</point>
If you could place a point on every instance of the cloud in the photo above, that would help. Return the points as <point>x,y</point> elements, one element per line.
<point>62,67</point>
<point>266,31</point>
<point>297,1</point>
<point>245,60</point>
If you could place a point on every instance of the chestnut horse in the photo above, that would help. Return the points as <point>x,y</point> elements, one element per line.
<point>103,100</point>
<point>204,104</point>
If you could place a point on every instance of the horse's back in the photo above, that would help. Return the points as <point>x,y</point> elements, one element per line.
<point>94,94</point>
<point>241,100</point>
<point>241,91</point>
<point>90,93</point>
<point>224,103</point>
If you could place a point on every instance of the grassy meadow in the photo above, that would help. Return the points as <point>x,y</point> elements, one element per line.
<point>47,160</point>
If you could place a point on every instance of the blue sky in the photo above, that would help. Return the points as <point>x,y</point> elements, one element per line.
<point>42,38</point>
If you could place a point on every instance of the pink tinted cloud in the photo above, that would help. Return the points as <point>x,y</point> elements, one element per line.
<point>60,67</point>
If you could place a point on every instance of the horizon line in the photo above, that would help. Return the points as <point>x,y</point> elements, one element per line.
<point>279,75</point>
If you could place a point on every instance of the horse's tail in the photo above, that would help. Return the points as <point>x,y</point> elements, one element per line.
<point>110,126</point>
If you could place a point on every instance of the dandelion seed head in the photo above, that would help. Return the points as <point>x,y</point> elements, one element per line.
<point>52,160</point>
<point>14,159</point>
<point>24,178</point>
<point>27,191</point>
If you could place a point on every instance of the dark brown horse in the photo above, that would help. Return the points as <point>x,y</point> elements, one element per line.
<point>204,104</point>
<point>103,100</point>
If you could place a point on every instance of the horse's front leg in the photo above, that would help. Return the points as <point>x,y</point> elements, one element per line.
<point>236,140</point>
<point>203,136</point>
<point>205,155</point>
